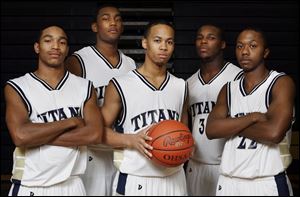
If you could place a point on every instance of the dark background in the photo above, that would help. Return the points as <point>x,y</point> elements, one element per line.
<point>21,21</point>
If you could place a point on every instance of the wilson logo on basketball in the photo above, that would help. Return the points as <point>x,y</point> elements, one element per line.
<point>177,141</point>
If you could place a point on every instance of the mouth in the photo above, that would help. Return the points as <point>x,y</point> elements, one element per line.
<point>245,61</point>
<point>113,30</point>
<point>163,56</point>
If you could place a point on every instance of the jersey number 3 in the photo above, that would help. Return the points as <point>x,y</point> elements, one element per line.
<point>201,125</point>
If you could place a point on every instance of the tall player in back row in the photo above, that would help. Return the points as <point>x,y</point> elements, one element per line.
<point>99,64</point>
<point>138,99</point>
<point>255,114</point>
<point>203,168</point>
<point>50,114</point>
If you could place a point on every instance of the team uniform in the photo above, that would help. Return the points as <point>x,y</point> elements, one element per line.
<point>137,175</point>
<point>100,171</point>
<point>203,167</point>
<point>48,169</point>
<point>249,167</point>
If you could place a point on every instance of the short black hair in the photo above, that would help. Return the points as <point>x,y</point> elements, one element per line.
<point>47,26</point>
<point>221,30</point>
<point>156,22</point>
<point>258,30</point>
<point>101,6</point>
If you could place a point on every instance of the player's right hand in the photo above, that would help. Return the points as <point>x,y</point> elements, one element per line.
<point>138,141</point>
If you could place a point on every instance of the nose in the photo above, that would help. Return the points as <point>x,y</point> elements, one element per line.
<point>245,50</point>
<point>203,40</point>
<point>55,45</point>
<point>112,21</point>
<point>163,46</point>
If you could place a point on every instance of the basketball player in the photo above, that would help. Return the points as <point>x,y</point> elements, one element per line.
<point>99,64</point>
<point>255,114</point>
<point>51,114</point>
<point>138,99</point>
<point>203,87</point>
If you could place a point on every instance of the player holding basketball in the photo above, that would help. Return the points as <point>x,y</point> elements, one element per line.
<point>255,114</point>
<point>203,168</point>
<point>99,64</point>
<point>50,114</point>
<point>138,99</point>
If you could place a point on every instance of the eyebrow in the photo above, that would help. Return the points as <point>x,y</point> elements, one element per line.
<point>60,37</point>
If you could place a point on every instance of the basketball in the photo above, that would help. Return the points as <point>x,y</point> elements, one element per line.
<point>172,143</point>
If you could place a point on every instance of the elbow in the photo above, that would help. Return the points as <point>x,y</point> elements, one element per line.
<point>209,133</point>
<point>277,136</point>
<point>19,139</point>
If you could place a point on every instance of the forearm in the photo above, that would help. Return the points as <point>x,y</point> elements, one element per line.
<point>227,127</point>
<point>36,134</point>
<point>115,139</point>
<point>87,135</point>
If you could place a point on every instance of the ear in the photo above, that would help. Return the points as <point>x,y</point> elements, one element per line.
<point>36,47</point>
<point>266,53</point>
<point>144,43</point>
<point>223,45</point>
<point>94,27</point>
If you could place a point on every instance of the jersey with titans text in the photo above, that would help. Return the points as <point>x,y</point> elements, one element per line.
<point>47,165</point>
<point>144,104</point>
<point>246,158</point>
<point>202,98</point>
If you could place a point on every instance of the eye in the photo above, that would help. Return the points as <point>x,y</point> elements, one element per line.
<point>239,46</point>
<point>211,38</point>
<point>253,46</point>
<point>156,40</point>
<point>118,19</point>
<point>170,42</point>
<point>63,42</point>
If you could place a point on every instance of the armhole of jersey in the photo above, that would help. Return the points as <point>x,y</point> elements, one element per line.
<point>88,96</point>
<point>82,65</point>
<point>22,95</point>
<point>228,96</point>
<point>268,96</point>
<point>124,107</point>
<point>185,91</point>
<point>238,76</point>
<point>89,91</point>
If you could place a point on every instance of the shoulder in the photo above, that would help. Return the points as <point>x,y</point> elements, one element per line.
<point>193,77</point>
<point>77,78</point>
<point>19,80</point>
<point>282,79</point>
<point>176,80</point>
<point>83,50</point>
<point>125,77</point>
<point>127,58</point>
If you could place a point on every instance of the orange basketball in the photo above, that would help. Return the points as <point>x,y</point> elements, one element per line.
<point>172,143</point>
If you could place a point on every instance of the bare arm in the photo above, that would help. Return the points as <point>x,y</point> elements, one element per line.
<point>24,133</point>
<point>279,115</point>
<point>90,133</point>
<point>73,65</point>
<point>111,109</point>
<point>220,125</point>
<point>184,115</point>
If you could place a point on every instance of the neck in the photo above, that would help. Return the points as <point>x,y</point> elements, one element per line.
<point>107,49</point>
<point>52,75</point>
<point>152,70</point>
<point>254,77</point>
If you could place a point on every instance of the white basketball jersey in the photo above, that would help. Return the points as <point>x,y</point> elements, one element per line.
<point>202,98</point>
<point>47,165</point>
<point>243,157</point>
<point>143,104</point>
<point>96,68</point>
